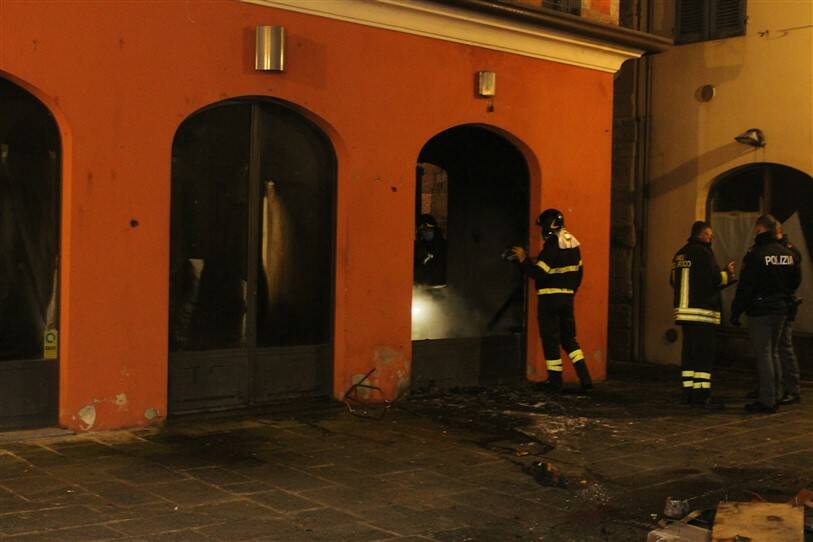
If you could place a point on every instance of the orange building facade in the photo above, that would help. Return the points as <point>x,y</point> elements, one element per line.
<point>121,79</point>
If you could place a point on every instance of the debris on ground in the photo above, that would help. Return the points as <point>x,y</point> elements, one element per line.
<point>675,508</point>
<point>546,474</point>
<point>679,532</point>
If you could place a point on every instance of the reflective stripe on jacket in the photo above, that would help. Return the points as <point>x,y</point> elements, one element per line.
<point>697,281</point>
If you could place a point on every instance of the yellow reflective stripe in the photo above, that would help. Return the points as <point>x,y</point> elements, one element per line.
<point>705,385</point>
<point>553,270</point>
<point>576,355</point>
<point>694,318</point>
<point>566,269</point>
<point>701,312</point>
<point>697,315</point>
<point>554,364</point>
<point>688,384</point>
<point>697,385</point>
<point>545,291</point>
<point>684,287</point>
<point>724,274</point>
<point>555,369</point>
<point>687,373</point>
<point>706,376</point>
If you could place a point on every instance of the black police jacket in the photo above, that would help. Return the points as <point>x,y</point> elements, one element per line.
<point>797,256</point>
<point>769,276</point>
<point>558,268</point>
<point>697,281</point>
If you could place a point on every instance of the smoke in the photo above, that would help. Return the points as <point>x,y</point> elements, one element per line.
<point>441,313</point>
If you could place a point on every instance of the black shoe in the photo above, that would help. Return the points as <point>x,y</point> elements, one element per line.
<point>753,394</point>
<point>584,375</point>
<point>790,399</point>
<point>686,398</point>
<point>758,407</point>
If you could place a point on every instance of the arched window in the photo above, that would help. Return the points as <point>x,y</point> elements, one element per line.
<point>741,195</point>
<point>29,249</point>
<point>251,285</point>
<point>468,305</point>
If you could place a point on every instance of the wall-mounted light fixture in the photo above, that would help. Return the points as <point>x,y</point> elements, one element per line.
<point>270,49</point>
<point>486,84</point>
<point>753,137</point>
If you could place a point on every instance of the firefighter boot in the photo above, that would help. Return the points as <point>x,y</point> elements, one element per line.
<point>554,382</point>
<point>584,375</point>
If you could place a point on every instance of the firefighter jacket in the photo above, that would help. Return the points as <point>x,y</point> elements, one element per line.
<point>558,268</point>
<point>769,276</point>
<point>697,281</point>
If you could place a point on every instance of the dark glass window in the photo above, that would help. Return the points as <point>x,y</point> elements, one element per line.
<point>744,193</point>
<point>252,229</point>
<point>29,224</point>
<point>210,162</point>
<point>295,267</point>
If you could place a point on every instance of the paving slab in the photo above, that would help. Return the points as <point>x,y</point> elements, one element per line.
<point>441,466</point>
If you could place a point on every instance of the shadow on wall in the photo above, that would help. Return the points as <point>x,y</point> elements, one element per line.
<point>690,170</point>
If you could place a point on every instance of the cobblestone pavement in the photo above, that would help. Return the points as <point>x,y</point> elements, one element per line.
<point>443,467</point>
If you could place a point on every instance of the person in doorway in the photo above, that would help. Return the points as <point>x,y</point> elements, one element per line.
<point>769,277</point>
<point>790,390</point>
<point>430,253</point>
<point>558,274</point>
<point>697,281</point>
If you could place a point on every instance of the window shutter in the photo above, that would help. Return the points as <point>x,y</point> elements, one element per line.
<point>567,6</point>
<point>727,18</point>
<point>691,21</point>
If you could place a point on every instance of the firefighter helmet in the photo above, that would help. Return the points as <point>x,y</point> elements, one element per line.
<point>551,221</point>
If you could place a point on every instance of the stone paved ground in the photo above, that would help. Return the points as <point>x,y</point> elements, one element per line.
<point>443,467</point>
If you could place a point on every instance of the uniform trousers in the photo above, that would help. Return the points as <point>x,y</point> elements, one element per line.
<point>787,360</point>
<point>765,332</point>
<point>557,328</point>
<point>697,359</point>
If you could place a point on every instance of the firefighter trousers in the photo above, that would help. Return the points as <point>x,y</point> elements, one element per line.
<point>557,329</point>
<point>697,359</point>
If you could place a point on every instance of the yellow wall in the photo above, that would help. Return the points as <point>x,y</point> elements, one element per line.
<point>763,80</point>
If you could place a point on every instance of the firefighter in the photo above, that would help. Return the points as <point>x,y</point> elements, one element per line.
<point>697,280</point>
<point>770,275</point>
<point>430,253</point>
<point>787,355</point>
<point>558,274</point>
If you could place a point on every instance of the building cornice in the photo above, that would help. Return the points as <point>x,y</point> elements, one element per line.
<point>530,33</point>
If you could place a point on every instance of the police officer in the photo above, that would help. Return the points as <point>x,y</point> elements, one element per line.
<point>787,355</point>
<point>769,276</point>
<point>697,281</point>
<point>558,274</point>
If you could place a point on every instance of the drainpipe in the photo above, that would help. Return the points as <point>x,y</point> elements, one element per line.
<point>643,112</point>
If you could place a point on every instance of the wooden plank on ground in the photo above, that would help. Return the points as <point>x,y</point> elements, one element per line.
<point>758,522</point>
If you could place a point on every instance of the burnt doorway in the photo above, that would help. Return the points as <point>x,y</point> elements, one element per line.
<point>735,202</point>
<point>251,270</point>
<point>468,305</point>
<point>30,178</point>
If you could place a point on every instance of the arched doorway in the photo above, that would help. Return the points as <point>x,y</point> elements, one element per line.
<point>735,201</point>
<point>30,158</point>
<point>251,272</point>
<point>469,309</point>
